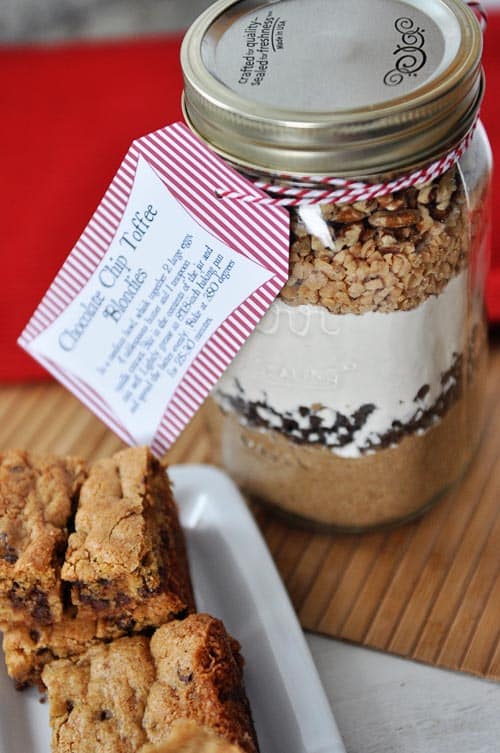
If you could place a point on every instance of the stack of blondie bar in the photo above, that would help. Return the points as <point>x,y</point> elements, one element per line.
<point>97,607</point>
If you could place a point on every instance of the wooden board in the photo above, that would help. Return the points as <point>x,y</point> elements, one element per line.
<point>429,590</point>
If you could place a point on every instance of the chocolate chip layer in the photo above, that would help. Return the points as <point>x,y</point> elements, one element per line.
<point>306,425</point>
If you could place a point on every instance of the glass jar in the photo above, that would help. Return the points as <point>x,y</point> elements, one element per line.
<point>359,398</point>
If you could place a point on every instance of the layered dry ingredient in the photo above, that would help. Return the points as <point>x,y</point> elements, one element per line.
<point>349,404</point>
<point>387,254</point>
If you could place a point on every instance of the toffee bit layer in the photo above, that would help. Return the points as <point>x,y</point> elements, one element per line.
<point>126,560</point>
<point>122,695</point>
<point>309,425</point>
<point>37,499</point>
<point>385,254</point>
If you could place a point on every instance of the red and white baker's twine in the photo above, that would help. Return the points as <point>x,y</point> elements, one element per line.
<point>346,191</point>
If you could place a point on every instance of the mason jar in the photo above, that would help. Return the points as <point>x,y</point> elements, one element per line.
<point>359,398</point>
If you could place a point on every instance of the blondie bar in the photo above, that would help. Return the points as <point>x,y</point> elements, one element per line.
<point>28,649</point>
<point>187,736</point>
<point>199,676</point>
<point>37,499</point>
<point>97,701</point>
<point>121,695</point>
<point>126,560</point>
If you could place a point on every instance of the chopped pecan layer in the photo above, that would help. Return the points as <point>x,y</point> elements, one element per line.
<point>385,254</point>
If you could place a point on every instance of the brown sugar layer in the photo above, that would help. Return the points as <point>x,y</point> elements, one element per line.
<point>312,428</point>
<point>386,254</point>
<point>127,560</point>
<point>119,696</point>
<point>311,483</point>
<point>37,500</point>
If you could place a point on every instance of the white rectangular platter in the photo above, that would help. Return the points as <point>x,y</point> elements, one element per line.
<point>234,579</point>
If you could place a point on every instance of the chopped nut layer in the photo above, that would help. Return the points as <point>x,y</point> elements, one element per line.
<point>386,254</point>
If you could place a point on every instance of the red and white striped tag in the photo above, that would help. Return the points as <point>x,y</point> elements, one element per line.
<point>162,289</point>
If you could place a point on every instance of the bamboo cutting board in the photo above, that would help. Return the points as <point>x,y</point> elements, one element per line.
<point>429,590</point>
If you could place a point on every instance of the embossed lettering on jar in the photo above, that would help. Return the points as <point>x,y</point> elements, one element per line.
<point>358,400</point>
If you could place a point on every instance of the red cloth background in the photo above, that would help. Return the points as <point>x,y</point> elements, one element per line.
<point>68,115</point>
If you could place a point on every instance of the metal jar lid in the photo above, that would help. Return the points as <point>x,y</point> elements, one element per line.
<point>337,87</point>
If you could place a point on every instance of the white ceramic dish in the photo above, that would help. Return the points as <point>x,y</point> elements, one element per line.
<point>234,579</point>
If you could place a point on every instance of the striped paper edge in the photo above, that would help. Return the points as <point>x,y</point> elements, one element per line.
<point>195,177</point>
